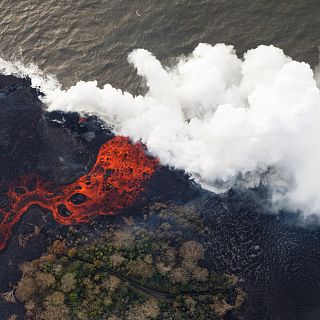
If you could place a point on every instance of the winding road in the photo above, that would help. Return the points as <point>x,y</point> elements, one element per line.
<point>149,292</point>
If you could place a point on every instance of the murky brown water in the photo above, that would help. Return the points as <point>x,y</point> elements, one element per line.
<point>90,39</point>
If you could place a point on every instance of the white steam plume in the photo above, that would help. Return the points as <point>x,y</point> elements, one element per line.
<point>217,117</point>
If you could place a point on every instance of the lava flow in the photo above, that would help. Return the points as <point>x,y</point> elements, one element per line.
<point>113,183</point>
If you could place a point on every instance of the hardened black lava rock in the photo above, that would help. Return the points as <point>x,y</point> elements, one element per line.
<point>56,145</point>
<point>20,113</point>
<point>275,255</point>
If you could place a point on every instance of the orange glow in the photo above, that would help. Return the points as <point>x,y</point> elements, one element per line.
<point>113,183</point>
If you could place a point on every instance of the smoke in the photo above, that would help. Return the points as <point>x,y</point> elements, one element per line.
<point>219,117</point>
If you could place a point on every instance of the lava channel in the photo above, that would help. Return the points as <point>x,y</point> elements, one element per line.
<point>113,183</point>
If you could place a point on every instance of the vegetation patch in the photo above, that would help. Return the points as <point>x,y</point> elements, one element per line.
<point>151,268</point>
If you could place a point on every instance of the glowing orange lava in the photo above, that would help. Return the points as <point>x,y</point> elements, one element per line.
<point>113,183</point>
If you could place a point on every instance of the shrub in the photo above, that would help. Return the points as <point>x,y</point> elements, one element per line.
<point>56,298</point>
<point>200,274</point>
<point>55,313</point>
<point>192,250</point>
<point>179,275</point>
<point>68,282</point>
<point>150,309</point>
<point>44,280</point>
<point>116,260</point>
<point>140,268</point>
<point>26,289</point>
<point>111,283</point>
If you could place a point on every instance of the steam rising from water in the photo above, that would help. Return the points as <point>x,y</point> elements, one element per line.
<point>216,116</point>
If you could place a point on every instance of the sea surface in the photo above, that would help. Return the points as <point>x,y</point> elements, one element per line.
<point>90,39</point>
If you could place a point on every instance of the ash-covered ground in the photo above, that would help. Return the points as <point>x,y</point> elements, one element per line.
<point>276,259</point>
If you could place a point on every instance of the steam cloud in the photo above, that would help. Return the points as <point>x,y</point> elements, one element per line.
<point>218,117</point>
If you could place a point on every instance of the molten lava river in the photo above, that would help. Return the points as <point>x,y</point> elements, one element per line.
<point>113,183</point>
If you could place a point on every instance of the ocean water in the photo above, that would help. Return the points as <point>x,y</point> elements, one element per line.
<point>90,39</point>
